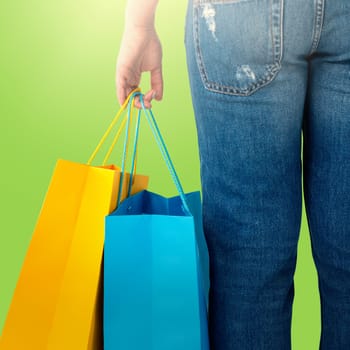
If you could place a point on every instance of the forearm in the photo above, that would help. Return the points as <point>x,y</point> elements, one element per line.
<point>140,13</point>
<point>140,51</point>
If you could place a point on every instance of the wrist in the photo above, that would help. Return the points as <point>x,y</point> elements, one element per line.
<point>140,27</point>
<point>140,14</point>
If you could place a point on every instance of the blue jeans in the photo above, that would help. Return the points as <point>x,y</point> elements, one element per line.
<point>265,75</point>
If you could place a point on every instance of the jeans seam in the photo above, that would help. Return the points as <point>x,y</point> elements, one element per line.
<point>318,25</point>
<point>200,64</point>
<point>279,55</point>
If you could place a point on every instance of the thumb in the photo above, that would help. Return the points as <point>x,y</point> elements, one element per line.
<point>157,83</point>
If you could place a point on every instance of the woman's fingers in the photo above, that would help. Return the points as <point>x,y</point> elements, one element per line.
<point>157,83</point>
<point>125,83</point>
<point>124,89</point>
<point>147,99</point>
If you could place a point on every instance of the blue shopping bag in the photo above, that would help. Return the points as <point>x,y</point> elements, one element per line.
<point>156,277</point>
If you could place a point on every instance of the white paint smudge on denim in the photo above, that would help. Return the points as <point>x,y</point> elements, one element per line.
<point>246,71</point>
<point>208,13</point>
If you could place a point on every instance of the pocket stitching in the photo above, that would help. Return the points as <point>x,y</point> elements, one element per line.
<point>271,69</point>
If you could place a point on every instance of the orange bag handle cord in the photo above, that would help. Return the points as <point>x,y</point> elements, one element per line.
<point>117,137</point>
<point>114,121</point>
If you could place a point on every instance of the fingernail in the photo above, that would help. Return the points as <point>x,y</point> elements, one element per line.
<point>154,95</point>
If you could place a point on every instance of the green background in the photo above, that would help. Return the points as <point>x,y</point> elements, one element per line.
<point>57,68</point>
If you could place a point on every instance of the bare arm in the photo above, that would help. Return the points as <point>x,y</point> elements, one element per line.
<point>140,51</point>
<point>140,13</point>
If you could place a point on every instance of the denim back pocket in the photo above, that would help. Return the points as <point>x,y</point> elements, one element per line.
<point>238,43</point>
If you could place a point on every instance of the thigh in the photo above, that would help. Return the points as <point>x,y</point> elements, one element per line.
<point>327,171</point>
<point>326,131</point>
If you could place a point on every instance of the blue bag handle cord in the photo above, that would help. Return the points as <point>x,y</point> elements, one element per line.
<point>131,100</point>
<point>160,141</point>
<point>134,152</point>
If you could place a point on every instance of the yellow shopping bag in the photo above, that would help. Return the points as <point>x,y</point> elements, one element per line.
<point>57,300</point>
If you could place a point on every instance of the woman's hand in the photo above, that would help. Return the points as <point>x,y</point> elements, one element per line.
<point>140,52</point>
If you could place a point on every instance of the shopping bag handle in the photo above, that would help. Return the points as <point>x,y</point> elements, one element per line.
<point>114,121</point>
<point>131,98</point>
<point>161,144</point>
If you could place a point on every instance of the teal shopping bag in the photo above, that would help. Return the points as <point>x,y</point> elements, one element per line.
<point>156,270</point>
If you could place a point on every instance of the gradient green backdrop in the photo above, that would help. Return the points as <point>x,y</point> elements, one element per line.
<point>57,68</point>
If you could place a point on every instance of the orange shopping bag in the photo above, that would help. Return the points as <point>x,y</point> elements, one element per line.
<point>57,300</point>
